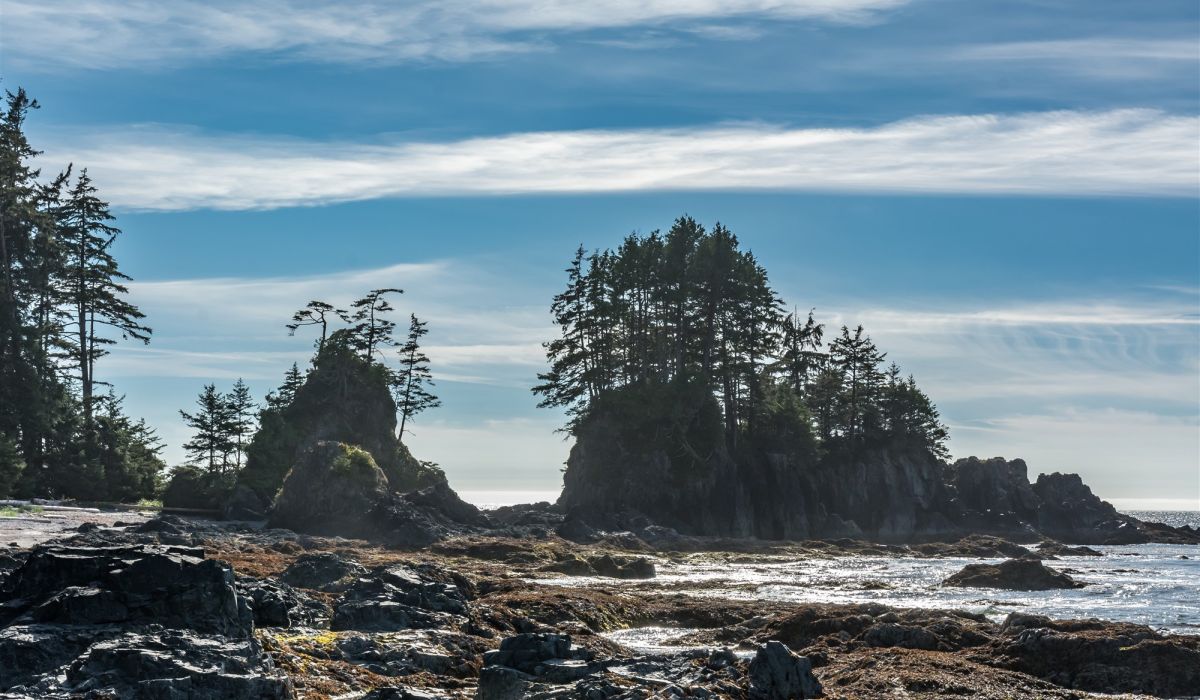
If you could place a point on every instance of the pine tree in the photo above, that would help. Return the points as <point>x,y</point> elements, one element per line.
<point>370,329</point>
<point>240,411</point>
<point>212,441</point>
<point>95,283</point>
<point>282,397</point>
<point>412,394</point>
<point>315,313</point>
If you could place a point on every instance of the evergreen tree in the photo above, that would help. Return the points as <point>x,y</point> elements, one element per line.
<point>370,330</point>
<point>282,397</point>
<point>315,313</point>
<point>212,442</point>
<point>412,394</point>
<point>95,284</point>
<point>240,411</point>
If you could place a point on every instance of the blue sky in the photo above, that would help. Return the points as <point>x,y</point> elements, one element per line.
<point>1004,193</point>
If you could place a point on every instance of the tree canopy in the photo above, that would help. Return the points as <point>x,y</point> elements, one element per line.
<point>692,307</point>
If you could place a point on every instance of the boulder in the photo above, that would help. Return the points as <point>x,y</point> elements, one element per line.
<point>169,586</point>
<point>1025,574</point>
<point>1058,549</point>
<point>245,504</point>
<point>326,571</point>
<point>604,565</point>
<point>1100,657</point>
<point>398,597</point>
<point>329,491</point>
<point>776,673</point>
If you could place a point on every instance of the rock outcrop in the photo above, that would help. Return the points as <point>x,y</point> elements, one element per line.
<point>130,621</point>
<point>338,490</point>
<point>1024,574</point>
<point>622,476</point>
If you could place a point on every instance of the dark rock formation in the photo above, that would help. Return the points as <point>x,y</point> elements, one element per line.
<point>130,621</point>
<point>329,492</point>
<point>1058,549</point>
<point>776,673</point>
<point>325,571</point>
<point>1024,574</point>
<point>1100,656</point>
<point>337,490</point>
<point>623,475</point>
<point>343,399</point>
<point>604,565</point>
<point>398,597</point>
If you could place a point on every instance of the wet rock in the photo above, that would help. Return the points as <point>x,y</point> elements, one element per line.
<point>278,604</point>
<point>177,664</point>
<point>1024,574</point>
<point>245,504</point>
<point>1100,656</point>
<point>895,635</point>
<point>604,565</point>
<point>982,546</point>
<point>170,586</point>
<point>776,673</point>
<point>397,597</point>
<point>1058,549</point>
<point>526,652</point>
<point>401,693</point>
<point>324,571</point>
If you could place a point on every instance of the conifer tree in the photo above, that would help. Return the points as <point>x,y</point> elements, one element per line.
<point>414,377</point>
<point>370,330</point>
<point>315,313</point>
<point>95,284</point>
<point>240,411</point>
<point>211,443</point>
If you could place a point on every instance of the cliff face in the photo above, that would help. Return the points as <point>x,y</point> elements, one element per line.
<point>894,495</point>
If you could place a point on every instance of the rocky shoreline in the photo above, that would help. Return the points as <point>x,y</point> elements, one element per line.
<point>173,608</point>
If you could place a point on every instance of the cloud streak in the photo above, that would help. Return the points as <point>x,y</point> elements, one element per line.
<point>110,33</point>
<point>1119,152</point>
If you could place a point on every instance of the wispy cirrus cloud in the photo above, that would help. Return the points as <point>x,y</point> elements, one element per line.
<point>117,33</point>
<point>1119,152</point>
<point>1097,57</point>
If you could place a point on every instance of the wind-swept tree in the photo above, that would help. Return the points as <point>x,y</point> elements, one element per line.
<point>370,330</point>
<point>315,313</point>
<point>414,377</point>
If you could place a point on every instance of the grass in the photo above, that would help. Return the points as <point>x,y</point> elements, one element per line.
<point>17,511</point>
<point>150,503</point>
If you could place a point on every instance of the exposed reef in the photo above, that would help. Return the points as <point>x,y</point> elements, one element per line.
<point>173,608</point>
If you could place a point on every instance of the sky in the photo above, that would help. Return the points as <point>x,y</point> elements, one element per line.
<point>1005,194</point>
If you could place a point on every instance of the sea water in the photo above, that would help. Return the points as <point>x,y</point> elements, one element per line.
<point>1151,584</point>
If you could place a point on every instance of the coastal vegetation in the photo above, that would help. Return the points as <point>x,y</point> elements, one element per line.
<point>63,305</point>
<point>684,327</point>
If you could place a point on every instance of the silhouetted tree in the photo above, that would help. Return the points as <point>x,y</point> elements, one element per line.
<point>414,377</point>
<point>212,441</point>
<point>315,313</point>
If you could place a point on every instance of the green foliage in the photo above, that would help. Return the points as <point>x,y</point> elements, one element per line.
<point>682,419</point>
<point>353,463</point>
<point>62,306</point>
<point>412,382</point>
<point>690,308</point>
<point>193,487</point>
<point>344,398</point>
<point>11,466</point>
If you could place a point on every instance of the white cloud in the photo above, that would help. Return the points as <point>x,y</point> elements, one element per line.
<point>1096,57</point>
<point>40,34</point>
<point>1089,49</point>
<point>1083,153</point>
